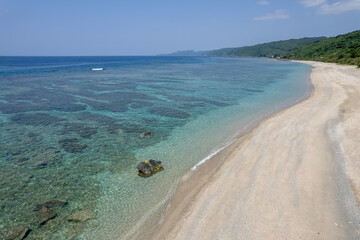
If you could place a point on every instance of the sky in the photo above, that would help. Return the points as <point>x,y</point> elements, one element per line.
<point>148,27</point>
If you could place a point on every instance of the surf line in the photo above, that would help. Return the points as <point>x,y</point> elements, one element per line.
<point>212,154</point>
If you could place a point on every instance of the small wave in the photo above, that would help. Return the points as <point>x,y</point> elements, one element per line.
<point>211,155</point>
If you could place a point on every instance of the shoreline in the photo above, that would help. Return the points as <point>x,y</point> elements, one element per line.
<point>192,208</point>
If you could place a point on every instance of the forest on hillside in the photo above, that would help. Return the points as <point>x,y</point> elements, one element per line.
<point>271,49</point>
<point>343,49</point>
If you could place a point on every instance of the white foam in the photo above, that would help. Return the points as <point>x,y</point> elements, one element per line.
<point>211,155</point>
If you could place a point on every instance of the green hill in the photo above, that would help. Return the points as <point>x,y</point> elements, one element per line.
<point>271,49</point>
<point>344,49</point>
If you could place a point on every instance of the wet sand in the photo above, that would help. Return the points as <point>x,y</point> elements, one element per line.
<point>295,176</point>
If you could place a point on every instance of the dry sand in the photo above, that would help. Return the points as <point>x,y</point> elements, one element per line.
<point>292,177</point>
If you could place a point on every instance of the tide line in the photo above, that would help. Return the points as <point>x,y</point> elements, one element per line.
<point>211,155</point>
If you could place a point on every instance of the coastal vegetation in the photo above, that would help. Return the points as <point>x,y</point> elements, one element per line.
<point>343,49</point>
<point>271,49</point>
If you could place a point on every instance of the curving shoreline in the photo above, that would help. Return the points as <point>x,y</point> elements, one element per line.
<point>287,178</point>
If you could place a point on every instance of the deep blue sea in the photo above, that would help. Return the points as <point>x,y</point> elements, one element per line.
<point>72,134</point>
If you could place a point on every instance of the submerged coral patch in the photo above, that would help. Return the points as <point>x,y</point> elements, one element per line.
<point>169,112</point>
<point>100,119</point>
<point>72,145</point>
<point>252,90</point>
<point>106,106</point>
<point>82,130</point>
<point>35,119</point>
<point>40,99</point>
<point>216,103</point>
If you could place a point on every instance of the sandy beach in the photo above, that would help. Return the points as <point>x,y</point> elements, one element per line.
<point>295,176</point>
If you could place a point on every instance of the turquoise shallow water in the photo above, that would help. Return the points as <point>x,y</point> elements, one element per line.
<point>73,134</point>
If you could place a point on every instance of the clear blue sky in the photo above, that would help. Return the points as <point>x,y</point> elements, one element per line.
<point>146,27</point>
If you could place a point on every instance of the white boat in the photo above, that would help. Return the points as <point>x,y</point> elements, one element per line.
<point>97,69</point>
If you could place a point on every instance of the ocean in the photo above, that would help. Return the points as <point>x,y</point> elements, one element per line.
<point>72,136</point>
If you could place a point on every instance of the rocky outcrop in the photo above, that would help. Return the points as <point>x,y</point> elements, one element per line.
<point>18,233</point>
<point>81,216</point>
<point>51,204</point>
<point>149,167</point>
<point>46,214</point>
<point>48,210</point>
<point>144,134</point>
<point>41,164</point>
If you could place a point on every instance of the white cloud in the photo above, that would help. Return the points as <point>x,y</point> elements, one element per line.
<point>323,7</point>
<point>278,14</point>
<point>340,7</point>
<point>263,2</point>
<point>312,3</point>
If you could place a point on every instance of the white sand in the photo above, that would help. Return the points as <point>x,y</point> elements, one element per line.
<point>292,177</point>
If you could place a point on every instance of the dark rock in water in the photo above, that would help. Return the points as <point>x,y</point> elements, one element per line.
<point>41,164</point>
<point>81,216</point>
<point>144,134</point>
<point>21,160</point>
<point>18,233</point>
<point>71,145</point>
<point>51,204</point>
<point>46,214</point>
<point>149,167</point>
<point>144,168</point>
<point>47,210</point>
